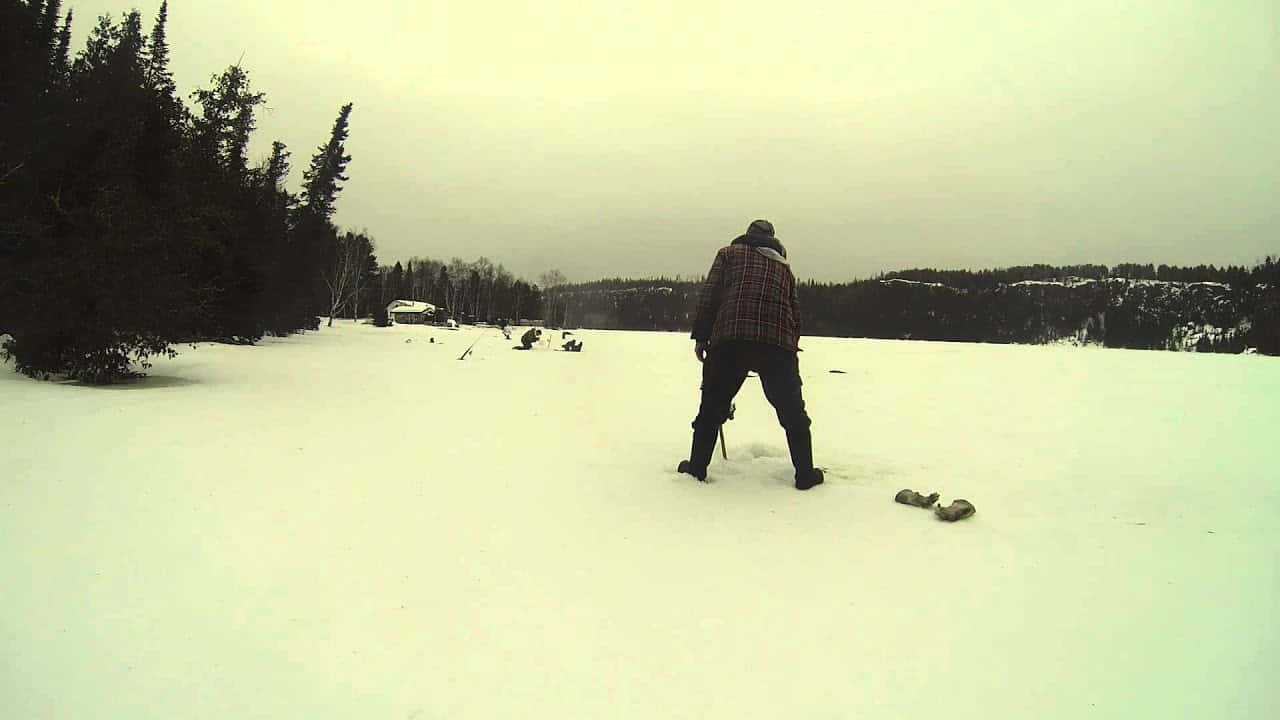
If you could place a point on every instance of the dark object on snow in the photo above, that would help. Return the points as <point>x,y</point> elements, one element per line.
<point>911,497</point>
<point>687,469</point>
<point>467,352</point>
<point>837,372</point>
<point>958,510</point>
<point>530,336</point>
<point>573,346</point>
<point>565,334</point>
<point>814,478</point>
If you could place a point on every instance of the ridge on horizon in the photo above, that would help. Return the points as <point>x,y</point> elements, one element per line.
<point>1130,270</point>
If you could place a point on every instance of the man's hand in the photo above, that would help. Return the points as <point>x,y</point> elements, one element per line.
<point>700,350</point>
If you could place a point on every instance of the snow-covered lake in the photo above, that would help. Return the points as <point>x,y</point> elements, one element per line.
<point>353,523</point>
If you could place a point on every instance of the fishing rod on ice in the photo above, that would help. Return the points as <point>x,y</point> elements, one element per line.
<point>467,352</point>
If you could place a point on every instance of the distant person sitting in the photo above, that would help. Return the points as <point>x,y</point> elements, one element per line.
<point>531,336</point>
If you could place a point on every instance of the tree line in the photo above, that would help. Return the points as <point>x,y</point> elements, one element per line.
<point>1202,308</point>
<point>478,291</point>
<point>1235,275</point>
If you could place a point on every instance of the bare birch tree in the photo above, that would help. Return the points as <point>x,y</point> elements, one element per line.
<point>550,280</point>
<point>458,271</point>
<point>343,277</point>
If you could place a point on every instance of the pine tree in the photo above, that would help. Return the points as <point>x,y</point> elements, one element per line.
<point>62,58</point>
<point>273,206</point>
<point>395,283</point>
<point>51,38</point>
<point>23,111</point>
<point>231,226</point>
<point>277,167</point>
<point>227,119</point>
<point>315,239</point>
<point>323,180</point>
<point>366,281</point>
<point>158,77</point>
<point>441,299</point>
<point>103,245</point>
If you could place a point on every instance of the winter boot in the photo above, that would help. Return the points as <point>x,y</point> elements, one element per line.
<point>810,479</point>
<point>700,452</point>
<point>800,445</point>
<point>687,469</point>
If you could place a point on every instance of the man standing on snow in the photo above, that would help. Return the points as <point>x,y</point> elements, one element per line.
<point>748,318</point>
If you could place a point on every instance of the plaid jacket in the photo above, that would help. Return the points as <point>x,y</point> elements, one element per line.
<point>748,296</point>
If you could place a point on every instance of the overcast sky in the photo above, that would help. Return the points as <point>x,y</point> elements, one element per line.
<point>635,138</point>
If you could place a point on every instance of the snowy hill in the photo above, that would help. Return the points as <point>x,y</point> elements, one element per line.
<point>354,523</point>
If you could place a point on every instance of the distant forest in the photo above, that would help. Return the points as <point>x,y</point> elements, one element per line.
<point>1202,308</point>
<point>478,291</point>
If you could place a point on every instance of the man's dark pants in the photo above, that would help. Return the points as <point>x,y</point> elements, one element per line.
<point>723,371</point>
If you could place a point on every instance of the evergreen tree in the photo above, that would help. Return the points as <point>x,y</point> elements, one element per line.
<point>395,283</point>
<point>24,131</point>
<point>367,292</point>
<point>273,206</point>
<point>323,180</point>
<point>230,251</point>
<point>157,62</point>
<point>227,120</point>
<point>60,64</point>
<point>441,297</point>
<point>277,167</point>
<point>51,38</point>
<point>313,237</point>
<point>103,247</point>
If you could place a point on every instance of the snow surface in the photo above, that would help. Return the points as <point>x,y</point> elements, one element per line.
<point>347,524</point>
